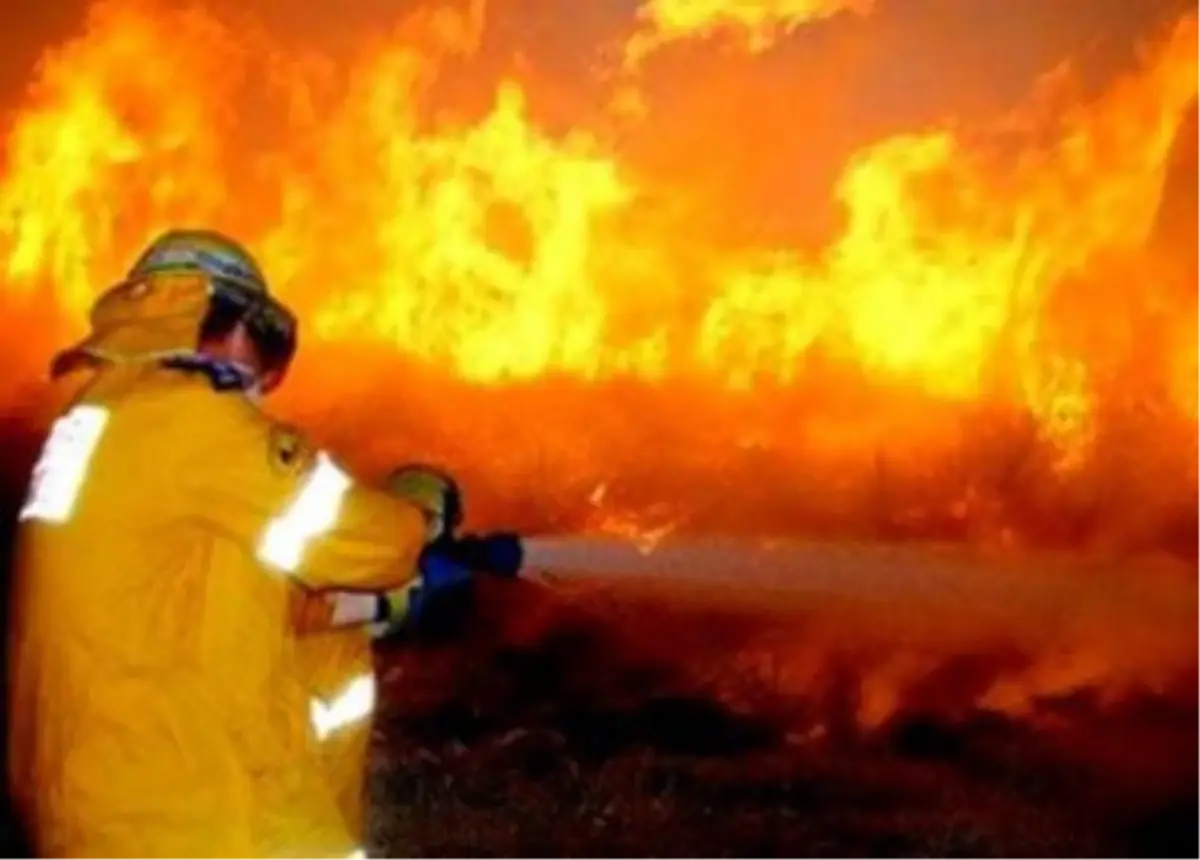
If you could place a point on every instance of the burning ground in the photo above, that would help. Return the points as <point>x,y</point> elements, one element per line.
<point>910,284</point>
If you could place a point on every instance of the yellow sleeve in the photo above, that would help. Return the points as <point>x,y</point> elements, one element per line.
<point>300,513</point>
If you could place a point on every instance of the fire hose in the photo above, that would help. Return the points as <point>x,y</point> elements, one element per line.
<point>772,575</point>
<point>749,570</point>
<point>778,565</point>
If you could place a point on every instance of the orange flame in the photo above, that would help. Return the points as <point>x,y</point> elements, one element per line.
<point>974,266</point>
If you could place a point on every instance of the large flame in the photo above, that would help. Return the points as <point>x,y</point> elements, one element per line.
<point>996,273</point>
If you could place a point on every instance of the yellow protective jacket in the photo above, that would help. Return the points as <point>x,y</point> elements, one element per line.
<point>157,705</point>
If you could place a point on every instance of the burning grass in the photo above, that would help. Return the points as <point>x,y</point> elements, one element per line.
<point>596,736</point>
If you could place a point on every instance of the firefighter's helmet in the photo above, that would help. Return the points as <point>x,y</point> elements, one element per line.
<point>177,281</point>
<point>208,252</point>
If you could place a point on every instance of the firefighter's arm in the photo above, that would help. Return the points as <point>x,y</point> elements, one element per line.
<point>300,513</point>
<point>444,567</point>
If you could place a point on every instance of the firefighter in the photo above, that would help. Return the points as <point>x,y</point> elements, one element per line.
<point>157,698</point>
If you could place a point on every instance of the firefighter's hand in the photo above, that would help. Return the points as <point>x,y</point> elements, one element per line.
<point>499,554</point>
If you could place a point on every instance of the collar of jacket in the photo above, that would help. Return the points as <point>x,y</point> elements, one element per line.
<point>224,375</point>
